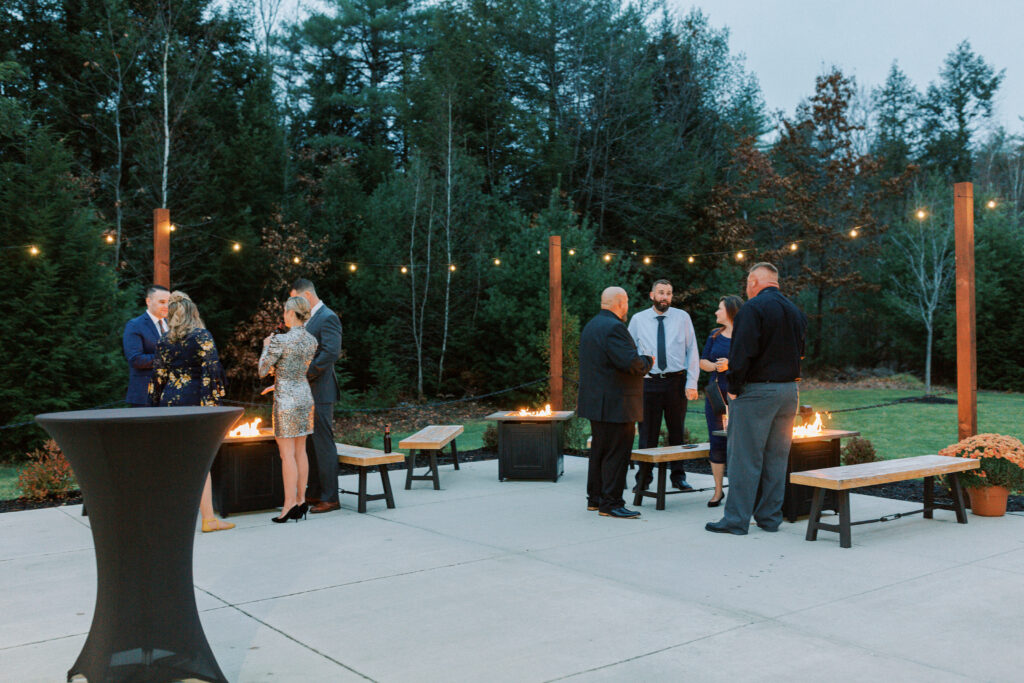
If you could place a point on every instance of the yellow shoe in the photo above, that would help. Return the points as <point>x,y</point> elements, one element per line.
<point>216,525</point>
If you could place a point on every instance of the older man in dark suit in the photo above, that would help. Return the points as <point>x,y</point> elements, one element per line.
<point>325,326</point>
<point>139,344</point>
<point>611,397</point>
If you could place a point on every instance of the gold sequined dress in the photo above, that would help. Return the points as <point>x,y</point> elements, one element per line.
<point>288,356</point>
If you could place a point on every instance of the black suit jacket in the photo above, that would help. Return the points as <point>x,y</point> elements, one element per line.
<point>611,372</point>
<point>325,326</point>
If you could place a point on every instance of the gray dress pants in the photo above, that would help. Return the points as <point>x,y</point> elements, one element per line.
<point>760,435</point>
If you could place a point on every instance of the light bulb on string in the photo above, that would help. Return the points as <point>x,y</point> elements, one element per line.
<point>451,267</point>
<point>647,260</point>
<point>109,238</point>
<point>740,256</point>
<point>352,267</point>
<point>607,258</point>
<point>792,247</point>
<point>854,233</point>
<point>497,261</point>
<point>991,204</point>
<point>173,227</point>
<point>33,250</point>
<point>236,247</point>
<point>921,214</point>
<point>572,252</point>
<point>690,260</point>
<point>403,270</point>
<point>296,260</point>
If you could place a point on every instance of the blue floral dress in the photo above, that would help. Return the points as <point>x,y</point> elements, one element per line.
<point>187,372</point>
<point>717,346</point>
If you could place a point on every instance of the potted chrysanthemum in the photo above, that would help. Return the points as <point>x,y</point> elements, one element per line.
<point>1001,470</point>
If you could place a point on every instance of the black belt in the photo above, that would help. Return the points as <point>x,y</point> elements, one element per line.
<point>665,375</point>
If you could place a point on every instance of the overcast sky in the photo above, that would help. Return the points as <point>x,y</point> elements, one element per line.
<point>789,42</point>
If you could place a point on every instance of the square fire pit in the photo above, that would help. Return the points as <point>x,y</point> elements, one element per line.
<point>246,474</point>
<point>530,445</point>
<point>810,452</point>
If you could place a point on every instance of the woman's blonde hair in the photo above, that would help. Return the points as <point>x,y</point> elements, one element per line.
<point>299,306</point>
<point>182,316</point>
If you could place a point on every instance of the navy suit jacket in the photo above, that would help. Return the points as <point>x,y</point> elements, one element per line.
<point>325,326</point>
<point>611,372</point>
<point>139,344</point>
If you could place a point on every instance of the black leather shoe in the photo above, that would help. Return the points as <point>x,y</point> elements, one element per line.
<point>592,508</point>
<point>719,528</point>
<point>765,527</point>
<point>621,513</point>
<point>682,485</point>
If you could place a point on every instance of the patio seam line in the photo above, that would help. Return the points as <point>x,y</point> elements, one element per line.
<point>40,642</point>
<point>291,638</point>
<point>74,518</point>
<point>357,582</point>
<point>52,554</point>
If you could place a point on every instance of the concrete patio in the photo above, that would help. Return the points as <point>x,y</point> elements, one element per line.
<point>516,581</point>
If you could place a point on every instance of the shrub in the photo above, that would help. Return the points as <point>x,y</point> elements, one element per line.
<point>491,438</point>
<point>47,474</point>
<point>1002,460</point>
<point>362,437</point>
<point>663,436</point>
<point>857,451</point>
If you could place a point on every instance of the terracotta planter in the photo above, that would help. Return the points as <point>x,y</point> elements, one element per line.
<point>988,501</point>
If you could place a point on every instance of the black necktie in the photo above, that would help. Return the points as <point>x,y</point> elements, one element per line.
<point>662,360</point>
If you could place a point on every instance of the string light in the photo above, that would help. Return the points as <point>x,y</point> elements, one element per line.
<point>690,260</point>
<point>296,259</point>
<point>607,258</point>
<point>538,252</point>
<point>451,267</point>
<point>854,233</point>
<point>921,214</point>
<point>173,227</point>
<point>792,247</point>
<point>33,250</point>
<point>109,238</point>
<point>647,260</point>
<point>352,267</point>
<point>497,261</point>
<point>991,204</point>
<point>404,270</point>
<point>739,256</point>
<point>236,247</point>
<point>572,252</point>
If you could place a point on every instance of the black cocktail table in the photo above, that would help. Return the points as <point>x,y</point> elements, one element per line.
<point>141,471</point>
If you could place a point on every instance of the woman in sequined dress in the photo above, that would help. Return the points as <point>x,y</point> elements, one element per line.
<point>287,357</point>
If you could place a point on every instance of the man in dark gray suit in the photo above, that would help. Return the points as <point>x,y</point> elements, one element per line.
<point>325,326</point>
<point>611,396</point>
<point>764,368</point>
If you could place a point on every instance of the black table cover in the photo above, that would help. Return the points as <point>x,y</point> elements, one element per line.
<point>141,471</point>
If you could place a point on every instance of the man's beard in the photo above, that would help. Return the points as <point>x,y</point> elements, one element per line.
<point>661,306</point>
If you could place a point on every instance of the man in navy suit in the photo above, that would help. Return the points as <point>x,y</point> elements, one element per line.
<point>139,342</point>
<point>611,396</point>
<point>325,325</point>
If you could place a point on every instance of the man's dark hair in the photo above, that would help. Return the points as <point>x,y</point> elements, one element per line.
<point>766,266</point>
<point>154,288</point>
<point>303,285</point>
<point>661,281</point>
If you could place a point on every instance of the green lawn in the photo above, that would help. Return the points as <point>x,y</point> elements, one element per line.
<point>896,431</point>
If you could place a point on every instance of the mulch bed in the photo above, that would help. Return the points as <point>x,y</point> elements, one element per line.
<point>911,491</point>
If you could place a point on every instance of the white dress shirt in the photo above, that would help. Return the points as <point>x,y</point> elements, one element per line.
<point>312,311</point>
<point>680,341</point>
<point>159,322</point>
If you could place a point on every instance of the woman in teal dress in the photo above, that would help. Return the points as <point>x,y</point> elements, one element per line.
<point>187,372</point>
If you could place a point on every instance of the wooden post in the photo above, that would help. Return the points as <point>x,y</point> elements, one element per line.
<point>162,247</point>
<point>555,305</point>
<point>966,342</point>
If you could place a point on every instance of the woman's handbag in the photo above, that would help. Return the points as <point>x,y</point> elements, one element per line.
<point>715,398</point>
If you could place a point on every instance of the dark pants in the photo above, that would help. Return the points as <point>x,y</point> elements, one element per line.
<point>664,397</point>
<point>609,456</point>
<point>760,435</point>
<point>322,455</point>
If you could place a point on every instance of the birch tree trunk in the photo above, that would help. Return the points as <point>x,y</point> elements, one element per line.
<point>448,243</point>
<point>167,120</point>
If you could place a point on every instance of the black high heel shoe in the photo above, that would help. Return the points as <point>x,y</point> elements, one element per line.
<point>304,507</point>
<point>286,516</point>
<point>298,512</point>
<point>716,503</point>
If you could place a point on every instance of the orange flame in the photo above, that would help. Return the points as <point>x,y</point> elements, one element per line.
<point>526,412</point>
<point>813,429</point>
<point>248,429</point>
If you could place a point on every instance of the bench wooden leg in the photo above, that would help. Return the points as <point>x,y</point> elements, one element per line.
<point>362,490</point>
<point>410,466</point>
<point>958,498</point>
<point>929,497</point>
<point>642,474</point>
<point>385,481</point>
<point>844,519</point>
<point>817,502</point>
<point>455,454</point>
<point>433,468</point>
<point>660,505</point>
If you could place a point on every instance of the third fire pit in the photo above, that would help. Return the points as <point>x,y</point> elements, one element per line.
<point>530,443</point>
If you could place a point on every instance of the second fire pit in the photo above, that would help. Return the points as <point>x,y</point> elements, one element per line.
<point>530,444</point>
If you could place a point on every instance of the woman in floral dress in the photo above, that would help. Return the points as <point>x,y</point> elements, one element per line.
<point>187,372</point>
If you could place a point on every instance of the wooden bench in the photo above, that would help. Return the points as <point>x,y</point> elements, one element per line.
<point>843,479</point>
<point>364,459</point>
<point>661,456</point>
<point>430,441</point>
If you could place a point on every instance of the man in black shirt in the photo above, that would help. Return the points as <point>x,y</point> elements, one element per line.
<point>764,367</point>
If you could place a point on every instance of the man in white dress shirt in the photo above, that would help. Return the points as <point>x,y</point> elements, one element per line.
<point>667,334</point>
